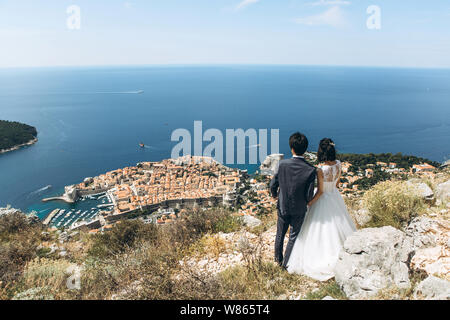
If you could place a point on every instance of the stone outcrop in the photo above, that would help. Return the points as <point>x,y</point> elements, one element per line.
<point>8,210</point>
<point>270,165</point>
<point>423,231</point>
<point>430,239</point>
<point>443,192</point>
<point>373,259</point>
<point>362,216</point>
<point>31,218</point>
<point>235,244</point>
<point>433,288</point>
<point>422,189</point>
<point>250,221</point>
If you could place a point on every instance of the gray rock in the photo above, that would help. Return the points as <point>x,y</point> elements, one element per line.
<point>373,259</point>
<point>433,288</point>
<point>250,221</point>
<point>63,237</point>
<point>328,298</point>
<point>8,210</point>
<point>422,189</point>
<point>446,164</point>
<point>270,165</point>
<point>362,216</point>
<point>244,244</point>
<point>443,192</point>
<point>423,232</point>
<point>31,218</point>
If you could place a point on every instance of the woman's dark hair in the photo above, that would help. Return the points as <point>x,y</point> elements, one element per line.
<point>299,143</point>
<point>327,150</point>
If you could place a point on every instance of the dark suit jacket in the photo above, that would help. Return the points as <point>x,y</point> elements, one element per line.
<point>294,186</point>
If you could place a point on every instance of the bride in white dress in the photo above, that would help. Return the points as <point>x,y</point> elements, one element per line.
<point>327,223</point>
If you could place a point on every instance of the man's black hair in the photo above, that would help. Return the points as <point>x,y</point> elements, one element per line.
<point>299,143</point>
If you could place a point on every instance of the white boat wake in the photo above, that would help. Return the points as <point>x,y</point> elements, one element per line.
<point>41,190</point>
<point>122,92</point>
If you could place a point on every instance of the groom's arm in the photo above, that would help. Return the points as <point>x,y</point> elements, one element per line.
<point>310,186</point>
<point>274,185</point>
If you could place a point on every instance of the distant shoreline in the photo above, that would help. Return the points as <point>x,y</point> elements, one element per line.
<point>19,146</point>
<point>15,135</point>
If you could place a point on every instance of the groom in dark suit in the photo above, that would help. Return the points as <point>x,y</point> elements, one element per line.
<point>293,184</point>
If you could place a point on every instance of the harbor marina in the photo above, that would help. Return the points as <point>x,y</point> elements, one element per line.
<point>86,209</point>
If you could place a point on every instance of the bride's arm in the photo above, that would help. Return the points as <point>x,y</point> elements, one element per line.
<point>338,180</point>
<point>319,187</point>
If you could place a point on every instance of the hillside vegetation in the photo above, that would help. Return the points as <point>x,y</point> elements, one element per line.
<point>207,254</point>
<point>360,161</point>
<point>15,133</point>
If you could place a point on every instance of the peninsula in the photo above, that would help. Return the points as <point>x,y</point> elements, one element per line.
<point>14,135</point>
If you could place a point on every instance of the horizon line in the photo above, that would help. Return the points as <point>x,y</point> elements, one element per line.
<point>222,65</point>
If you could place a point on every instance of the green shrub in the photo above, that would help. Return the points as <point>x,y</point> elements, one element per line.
<point>15,224</point>
<point>392,203</point>
<point>122,236</point>
<point>197,223</point>
<point>227,224</point>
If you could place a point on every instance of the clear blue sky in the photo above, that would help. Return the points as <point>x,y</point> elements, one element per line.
<point>414,33</point>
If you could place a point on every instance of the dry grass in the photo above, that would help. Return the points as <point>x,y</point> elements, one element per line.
<point>210,245</point>
<point>49,274</point>
<point>329,288</point>
<point>132,261</point>
<point>19,240</point>
<point>392,203</point>
<point>262,281</point>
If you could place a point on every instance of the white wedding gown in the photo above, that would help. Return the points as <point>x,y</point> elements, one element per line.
<point>327,224</point>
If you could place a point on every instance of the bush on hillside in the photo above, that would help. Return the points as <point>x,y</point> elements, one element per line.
<point>197,223</point>
<point>135,261</point>
<point>392,203</point>
<point>15,223</point>
<point>122,236</point>
<point>19,239</point>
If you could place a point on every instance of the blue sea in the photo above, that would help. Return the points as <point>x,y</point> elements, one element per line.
<point>91,120</point>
